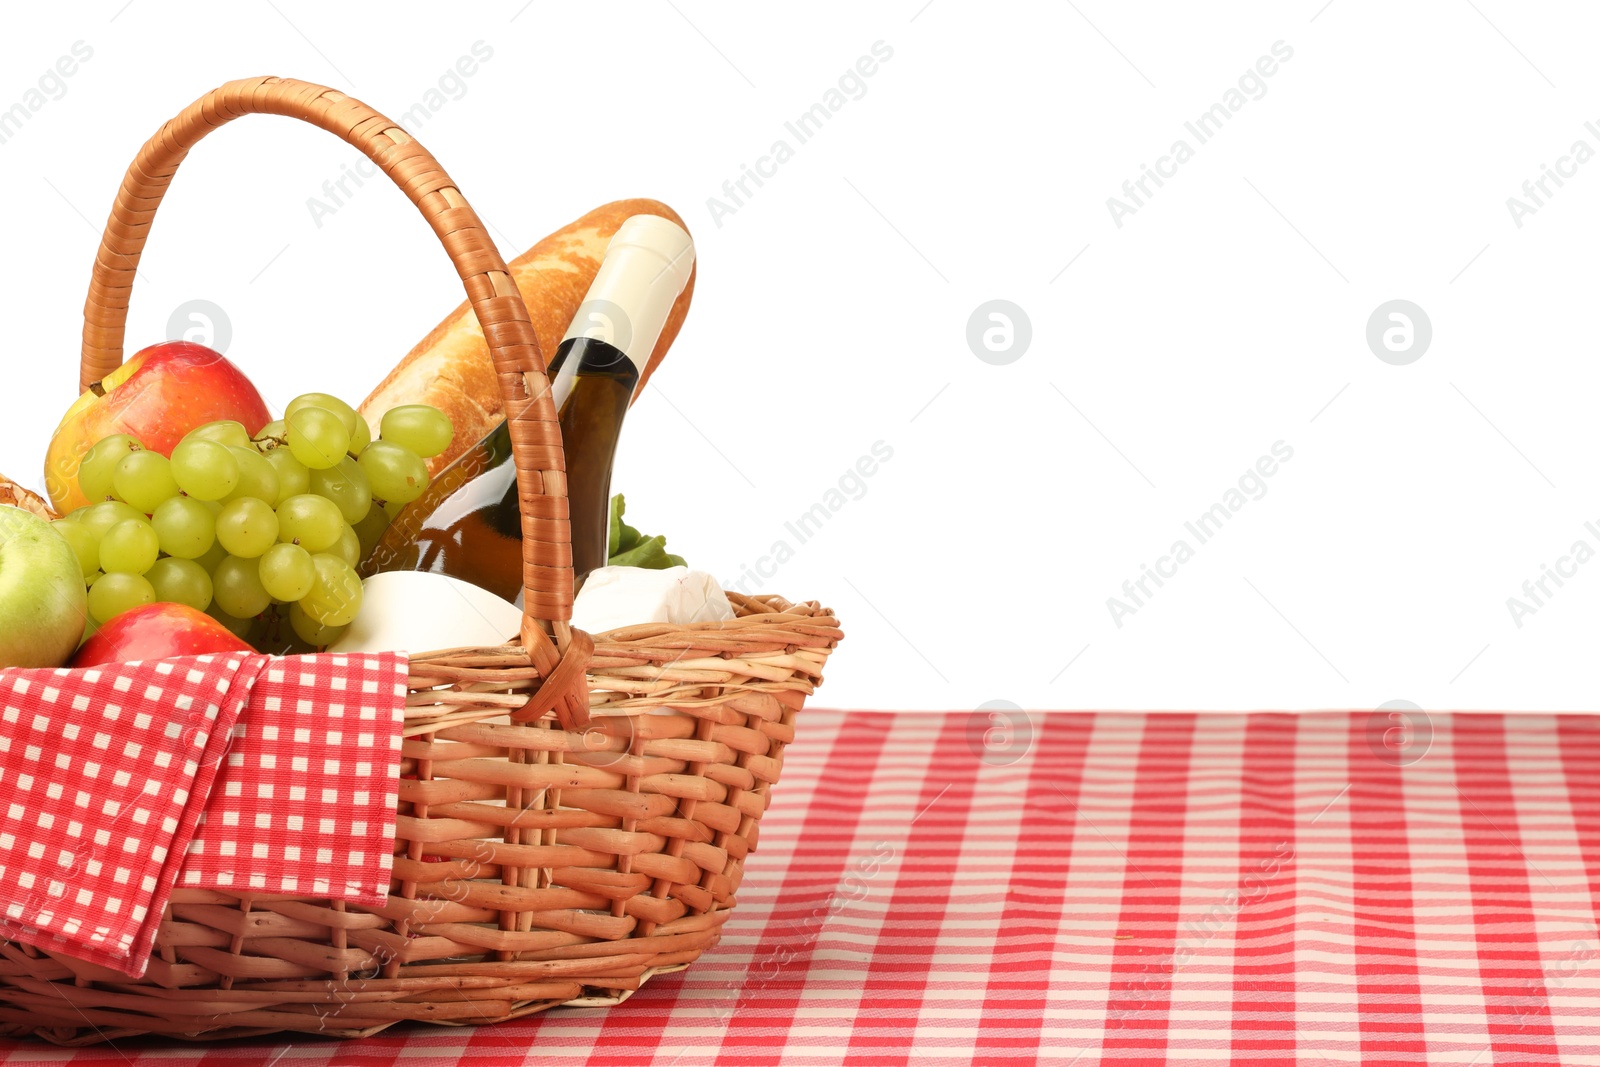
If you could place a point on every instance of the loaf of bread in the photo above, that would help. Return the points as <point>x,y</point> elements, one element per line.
<point>451,368</point>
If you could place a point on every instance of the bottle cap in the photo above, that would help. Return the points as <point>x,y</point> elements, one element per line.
<point>647,264</point>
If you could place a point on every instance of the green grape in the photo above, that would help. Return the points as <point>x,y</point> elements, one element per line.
<point>99,464</point>
<point>398,475</point>
<point>312,632</point>
<point>287,572</point>
<point>212,556</point>
<point>185,528</point>
<point>129,547</point>
<point>422,428</point>
<point>95,577</point>
<point>258,478</point>
<point>361,437</point>
<point>204,469</point>
<point>223,432</point>
<point>180,581</point>
<point>310,521</point>
<point>112,594</point>
<point>293,477</point>
<point>144,479</point>
<point>98,518</point>
<point>84,541</point>
<point>349,547</point>
<point>236,588</point>
<point>335,595</point>
<point>393,508</point>
<point>271,435</point>
<point>326,402</point>
<point>370,530</point>
<point>318,438</point>
<point>240,628</point>
<point>347,486</point>
<point>247,527</point>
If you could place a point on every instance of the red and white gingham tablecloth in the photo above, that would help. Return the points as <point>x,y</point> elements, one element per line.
<point>1114,889</point>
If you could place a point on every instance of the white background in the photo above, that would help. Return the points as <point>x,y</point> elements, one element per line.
<point>1227,314</point>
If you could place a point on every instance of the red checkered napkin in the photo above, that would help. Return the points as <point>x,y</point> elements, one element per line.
<point>306,801</point>
<point>103,773</point>
<point>235,772</point>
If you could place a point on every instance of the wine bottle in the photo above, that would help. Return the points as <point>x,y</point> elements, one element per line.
<point>468,523</point>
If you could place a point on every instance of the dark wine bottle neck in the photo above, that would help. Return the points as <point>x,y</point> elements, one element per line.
<point>585,357</point>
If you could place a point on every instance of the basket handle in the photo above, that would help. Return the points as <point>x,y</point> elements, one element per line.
<point>513,345</point>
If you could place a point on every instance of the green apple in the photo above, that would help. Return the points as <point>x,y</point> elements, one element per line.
<point>43,606</point>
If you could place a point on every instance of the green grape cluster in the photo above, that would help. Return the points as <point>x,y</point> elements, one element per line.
<point>251,528</point>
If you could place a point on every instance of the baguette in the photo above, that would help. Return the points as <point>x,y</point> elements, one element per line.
<point>451,368</point>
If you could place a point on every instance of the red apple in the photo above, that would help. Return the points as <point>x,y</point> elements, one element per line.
<point>157,631</point>
<point>159,395</point>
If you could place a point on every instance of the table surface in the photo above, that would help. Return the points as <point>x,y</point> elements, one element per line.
<point>1113,888</point>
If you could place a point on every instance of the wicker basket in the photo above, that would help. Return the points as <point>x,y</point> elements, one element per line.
<point>574,812</point>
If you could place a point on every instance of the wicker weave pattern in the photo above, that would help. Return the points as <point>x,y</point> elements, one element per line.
<point>574,811</point>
